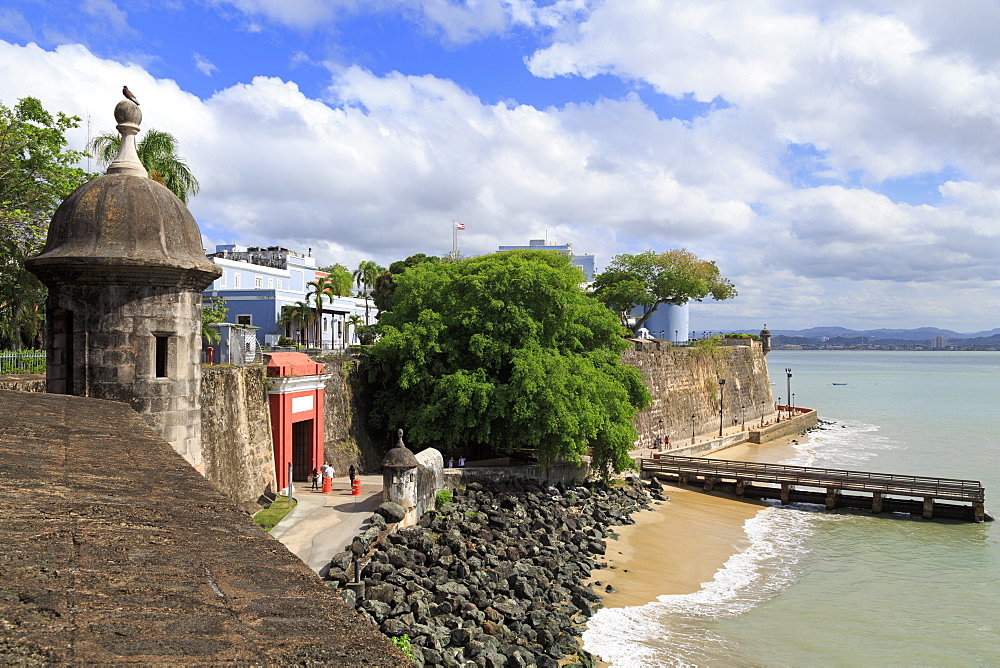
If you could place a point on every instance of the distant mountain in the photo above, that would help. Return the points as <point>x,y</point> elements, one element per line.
<point>918,334</point>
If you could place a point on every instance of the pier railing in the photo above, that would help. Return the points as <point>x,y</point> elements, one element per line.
<point>840,479</point>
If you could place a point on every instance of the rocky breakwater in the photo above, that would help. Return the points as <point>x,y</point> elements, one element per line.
<point>496,577</point>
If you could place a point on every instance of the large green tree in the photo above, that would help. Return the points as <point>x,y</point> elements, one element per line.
<point>385,283</point>
<point>650,279</point>
<point>158,154</point>
<point>37,171</point>
<point>502,353</point>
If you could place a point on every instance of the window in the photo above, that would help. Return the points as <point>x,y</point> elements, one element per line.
<point>222,279</point>
<point>236,280</point>
<point>279,283</point>
<point>244,320</point>
<point>258,282</point>
<point>270,284</point>
<point>326,325</point>
<point>162,354</point>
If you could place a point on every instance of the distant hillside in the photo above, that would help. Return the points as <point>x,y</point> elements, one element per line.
<point>918,334</point>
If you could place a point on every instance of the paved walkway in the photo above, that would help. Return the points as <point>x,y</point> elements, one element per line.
<point>321,525</point>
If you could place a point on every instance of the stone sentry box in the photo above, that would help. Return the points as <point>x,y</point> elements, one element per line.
<point>125,269</point>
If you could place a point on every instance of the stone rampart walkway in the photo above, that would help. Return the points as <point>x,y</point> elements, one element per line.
<point>115,551</point>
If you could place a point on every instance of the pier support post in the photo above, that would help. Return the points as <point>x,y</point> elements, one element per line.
<point>709,483</point>
<point>928,507</point>
<point>978,511</point>
<point>876,502</point>
<point>831,497</point>
<point>682,479</point>
<point>741,486</point>
<point>785,492</point>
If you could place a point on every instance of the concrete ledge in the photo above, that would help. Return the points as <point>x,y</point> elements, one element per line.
<point>803,420</point>
<point>564,473</point>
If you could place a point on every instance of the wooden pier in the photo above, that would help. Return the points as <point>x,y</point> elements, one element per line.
<point>834,488</point>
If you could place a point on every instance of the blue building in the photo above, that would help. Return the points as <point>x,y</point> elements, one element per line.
<point>584,262</point>
<point>257,282</point>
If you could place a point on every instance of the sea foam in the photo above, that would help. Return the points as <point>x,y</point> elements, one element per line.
<point>673,630</point>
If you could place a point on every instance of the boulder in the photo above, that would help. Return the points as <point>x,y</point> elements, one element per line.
<point>391,512</point>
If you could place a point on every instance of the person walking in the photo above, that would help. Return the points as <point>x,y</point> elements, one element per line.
<point>327,472</point>
<point>352,472</point>
<point>314,479</point>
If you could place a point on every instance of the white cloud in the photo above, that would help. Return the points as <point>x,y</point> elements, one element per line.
<point>381,166</point>
<point>204,65</point>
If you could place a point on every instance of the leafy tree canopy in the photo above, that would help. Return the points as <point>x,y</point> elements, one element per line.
<point>501,353</point>
<point>650,279</point>
<point>37,172</point>
<point>385,283</point>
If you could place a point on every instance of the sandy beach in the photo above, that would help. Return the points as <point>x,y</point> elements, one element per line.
<point>684,541</point>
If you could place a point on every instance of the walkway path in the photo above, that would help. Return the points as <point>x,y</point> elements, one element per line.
<point>322,525</point>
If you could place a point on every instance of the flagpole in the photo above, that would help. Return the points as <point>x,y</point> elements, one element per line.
<point>454,239</point>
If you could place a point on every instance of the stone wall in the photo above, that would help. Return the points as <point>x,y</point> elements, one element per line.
<point>565,473</point>
<point>23,382</point>
<point>804,419</point>
<point>236,432</point>
<point>345,416</point>
<point>684,381</point>
<point>430,479</point>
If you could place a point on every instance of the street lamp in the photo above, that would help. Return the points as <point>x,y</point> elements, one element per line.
<point>722,390</point>
<point>692,428</point>
<point>743,418</point>
<point>660,434</point>
<point>788,373</point>
<point>778,410</point>
<point>762,404</point>
<point>793,405</point>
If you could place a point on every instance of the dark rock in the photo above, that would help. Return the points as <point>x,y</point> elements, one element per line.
<point>391,512</point>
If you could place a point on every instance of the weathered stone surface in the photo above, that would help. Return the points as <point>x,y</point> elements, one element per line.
<point>236,439</point>
<point>165,570</point>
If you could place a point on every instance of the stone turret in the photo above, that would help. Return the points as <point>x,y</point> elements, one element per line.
<point>125,270</point>
<point>765,340</point>
<point>399,477</point>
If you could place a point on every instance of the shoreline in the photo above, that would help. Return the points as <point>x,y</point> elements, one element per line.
<point>685,540</point>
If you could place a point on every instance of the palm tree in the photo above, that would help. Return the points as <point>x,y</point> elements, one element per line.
<point>322,288</point>
<point>364,276</point>
<point>300,313</point>
<point>158,154</point>
<point>355,321</point>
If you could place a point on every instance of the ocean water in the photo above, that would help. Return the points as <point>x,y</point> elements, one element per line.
<point>818,588</point>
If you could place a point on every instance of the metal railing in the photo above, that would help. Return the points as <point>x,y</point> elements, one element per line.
<point>842,479</point>
<point>22,361</point>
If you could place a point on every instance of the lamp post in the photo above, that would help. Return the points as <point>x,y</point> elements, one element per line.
<point>743,418</point>
<point>778,410</point>
<point>792,407</point>
<point>788,374</point>
<point>762,404</point>
<point>659,434</point>
<point>677,336</point>
<point>692,428</point>
<point>722,394</point>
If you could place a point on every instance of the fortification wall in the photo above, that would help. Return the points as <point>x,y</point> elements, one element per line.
<point>345,415</point>
<point>236,433</point>
<point>684,381</point>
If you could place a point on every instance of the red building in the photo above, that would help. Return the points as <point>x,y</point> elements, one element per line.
<point>296,390</point>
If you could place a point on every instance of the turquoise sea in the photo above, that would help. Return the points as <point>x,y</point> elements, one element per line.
<point>814,588</point>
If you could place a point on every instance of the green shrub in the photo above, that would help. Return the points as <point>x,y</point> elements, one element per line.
<point>442,498</point>
<point>403,643</point>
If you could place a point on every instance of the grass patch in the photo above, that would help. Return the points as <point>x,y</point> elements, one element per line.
<point>274,513</point>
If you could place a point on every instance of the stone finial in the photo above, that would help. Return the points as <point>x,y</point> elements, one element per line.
<point>400,457</point>
<point>129,116</point>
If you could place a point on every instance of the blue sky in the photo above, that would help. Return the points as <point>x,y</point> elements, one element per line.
<point>840,160</point>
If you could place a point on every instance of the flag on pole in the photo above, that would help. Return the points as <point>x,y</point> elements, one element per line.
<point>459,226</point>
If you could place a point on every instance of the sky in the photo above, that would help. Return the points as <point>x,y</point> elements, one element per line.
<point>838,159</point>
